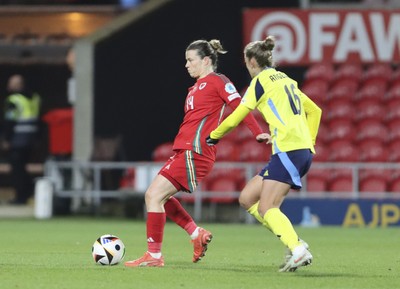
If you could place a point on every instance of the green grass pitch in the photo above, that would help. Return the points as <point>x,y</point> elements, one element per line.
<point>56,254</point>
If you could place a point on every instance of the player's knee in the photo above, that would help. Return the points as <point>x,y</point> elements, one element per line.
<point>151,197</point>
<point>245,202</point>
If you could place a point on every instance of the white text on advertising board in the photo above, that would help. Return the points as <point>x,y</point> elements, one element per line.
<point>304,37</point>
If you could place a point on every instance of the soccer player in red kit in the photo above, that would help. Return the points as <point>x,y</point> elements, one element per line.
<point>193,158</point>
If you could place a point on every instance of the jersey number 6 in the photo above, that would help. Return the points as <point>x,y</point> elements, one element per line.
<point>293,99</point>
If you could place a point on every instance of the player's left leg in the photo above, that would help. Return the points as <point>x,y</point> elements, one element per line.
<point>177,213</point>
<point>200,237</point>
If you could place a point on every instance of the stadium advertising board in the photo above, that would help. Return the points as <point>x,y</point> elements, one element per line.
<point>308,36</point>
<point>344,212</point>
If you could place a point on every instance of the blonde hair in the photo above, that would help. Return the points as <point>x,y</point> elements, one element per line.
<point>261,51</point>
<point>208,48</point>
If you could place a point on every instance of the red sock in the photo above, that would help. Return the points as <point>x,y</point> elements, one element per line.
<point>155,231</point>
<point>175,211</point>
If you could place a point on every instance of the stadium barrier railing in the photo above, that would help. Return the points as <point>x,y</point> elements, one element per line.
<point>76,179</point>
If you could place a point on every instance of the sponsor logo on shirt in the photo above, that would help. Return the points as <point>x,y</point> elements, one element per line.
<point>233,96</point>
<point>230,88</point>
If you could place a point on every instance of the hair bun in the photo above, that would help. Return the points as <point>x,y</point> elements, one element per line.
<point>269,43</point>
<point>217,46</point>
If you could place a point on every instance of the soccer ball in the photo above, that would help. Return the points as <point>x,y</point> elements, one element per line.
<point>108,250</point>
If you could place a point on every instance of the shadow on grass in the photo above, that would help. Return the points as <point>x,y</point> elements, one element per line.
<point>262,269</point>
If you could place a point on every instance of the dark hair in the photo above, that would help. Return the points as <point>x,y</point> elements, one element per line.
<point>208,48</point>
<point>261,51</point>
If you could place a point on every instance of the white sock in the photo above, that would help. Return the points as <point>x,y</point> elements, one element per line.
<point>299,249</point>
<point>195,234</point>
<point>155,255</point>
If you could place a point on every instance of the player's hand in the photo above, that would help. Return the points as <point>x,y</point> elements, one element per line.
<point>211,141</point>
<point>264,137</point>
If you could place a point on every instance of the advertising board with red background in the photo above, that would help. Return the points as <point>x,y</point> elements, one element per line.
<point>304,37</point>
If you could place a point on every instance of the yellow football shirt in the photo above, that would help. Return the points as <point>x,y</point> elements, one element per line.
<point>293,118</point>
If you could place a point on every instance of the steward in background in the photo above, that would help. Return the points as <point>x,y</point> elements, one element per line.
<point>21,126</point>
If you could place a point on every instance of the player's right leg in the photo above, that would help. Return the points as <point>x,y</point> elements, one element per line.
<point>159,190</point>
<point>186,171</point>
<point>288,255</point>
<point>300,256</point>
<point>272,196</point>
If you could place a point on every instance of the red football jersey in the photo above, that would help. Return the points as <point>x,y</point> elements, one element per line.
<point>204,109</point>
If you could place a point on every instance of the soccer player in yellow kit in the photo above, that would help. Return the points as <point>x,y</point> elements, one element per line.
<point>293,120</point>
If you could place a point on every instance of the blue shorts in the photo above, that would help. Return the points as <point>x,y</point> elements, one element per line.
<point>288,167</point>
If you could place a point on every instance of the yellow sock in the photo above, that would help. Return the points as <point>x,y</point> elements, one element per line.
<point>253,210</point>
<point>282,227</point>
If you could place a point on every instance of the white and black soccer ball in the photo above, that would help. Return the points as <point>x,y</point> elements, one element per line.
<point>108,250</point>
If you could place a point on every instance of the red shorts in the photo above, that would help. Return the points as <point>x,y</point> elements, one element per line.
<point>185,169</point>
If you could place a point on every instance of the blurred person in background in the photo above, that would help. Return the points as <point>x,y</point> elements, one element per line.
<point>70,59</point>
<point>193,158</point>
<point>21,125</point>
<point>293,120</point>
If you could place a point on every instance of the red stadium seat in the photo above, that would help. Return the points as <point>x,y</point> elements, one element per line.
<point>348,71</point>
<point>341,129</point>
<point>393,130</point>
<point>227,151</point>
<point>252,151</point>
<point>393,127</point>
<point>163,152</point>
<point>392,114</point>
<point>394,182</point>
<point>322,153</point>
<point>373,180</point>
<point>243,133</point>
<point>372,89</point>
<point>238,175</point>
<point>369,109</point>
<point>343,89</point>
<point>340,181</point>
<point>371,130</point>
<point>127,181</point>
<point>394,186</point>
<point>373,184</point>
<point>212,183</point>
<point>343,151</point>
<point>373,152</point>
<point>316,90</point>
<point>394,151</point>
<point>380,71</point>
<point>323,133</point>
<point>340,110</point>
<point>224,180</point>
<point>322,71</point>
<point>368,143</point>
<point>317,180</point>
<point>224,185</point>
<point>395,79</point>
<point>392,97</point>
